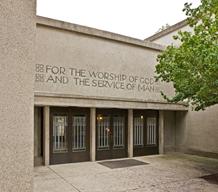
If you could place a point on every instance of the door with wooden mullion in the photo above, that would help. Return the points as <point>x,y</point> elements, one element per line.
<point>69,135</point>
<point>111,134</point>
<point>145,132</point>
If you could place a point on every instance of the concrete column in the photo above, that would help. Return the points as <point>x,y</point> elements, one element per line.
<point>17,60</point>
<point>92,134</point>
<point>46,126</point>
<point>130,133</point>
<point>161,132</point>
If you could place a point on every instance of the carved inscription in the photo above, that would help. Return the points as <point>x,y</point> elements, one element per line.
<point>91,78</point>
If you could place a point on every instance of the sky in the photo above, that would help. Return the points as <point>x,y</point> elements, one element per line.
<point>135,18</point>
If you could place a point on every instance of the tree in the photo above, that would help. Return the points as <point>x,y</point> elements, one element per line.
<point>163,27</point>
<point>193,66</point>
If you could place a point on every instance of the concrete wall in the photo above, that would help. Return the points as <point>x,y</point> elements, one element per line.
<point>169,131</point>
<point>168,39</point>
<point>67,59</point>
<point>17,40</point>
<point>203,126</point>
<point>38,135</point>
<point>196,132</point>
<point>181,130</point>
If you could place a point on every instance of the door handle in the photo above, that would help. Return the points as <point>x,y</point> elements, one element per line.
<point>109,131</point>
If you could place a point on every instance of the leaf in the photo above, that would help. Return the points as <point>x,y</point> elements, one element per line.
<point>193,66</point>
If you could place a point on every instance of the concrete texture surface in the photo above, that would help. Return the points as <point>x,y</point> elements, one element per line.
<point>170,173</point>
<point>96,33</point>
<point>76,63</point>
<point>17,59</point>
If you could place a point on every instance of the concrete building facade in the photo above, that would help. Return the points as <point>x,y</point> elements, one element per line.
<point>81,68</point>
<point>74,93</point>
<point>101,76</point>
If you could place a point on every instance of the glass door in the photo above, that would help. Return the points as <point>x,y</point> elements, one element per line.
<point>60,124</point>
<point>104,132</point>
<point>145,132</point>
<point>80,134</point>
<point>118,132</point>
<point>69,135</point>
<point>111,137</point>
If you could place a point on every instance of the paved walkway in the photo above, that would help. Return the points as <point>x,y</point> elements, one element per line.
<point>164,173</point>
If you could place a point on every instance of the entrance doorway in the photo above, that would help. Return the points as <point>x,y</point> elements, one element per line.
<point>70,135</point>
<point>111,134</point>
<point>145,132</point>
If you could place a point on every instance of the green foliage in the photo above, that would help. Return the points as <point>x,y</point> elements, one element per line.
<point>163,27</point>
<point>193,66</point>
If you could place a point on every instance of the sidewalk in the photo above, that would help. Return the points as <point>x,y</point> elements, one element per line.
<point>170,173</point>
